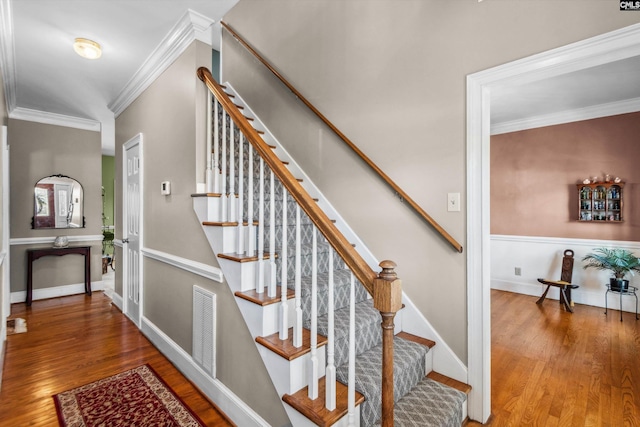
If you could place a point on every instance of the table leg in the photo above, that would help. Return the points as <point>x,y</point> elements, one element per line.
<point>29,278</point>
<point>87,272</point>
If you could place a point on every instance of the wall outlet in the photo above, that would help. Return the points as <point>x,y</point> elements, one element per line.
<point>518,271</point>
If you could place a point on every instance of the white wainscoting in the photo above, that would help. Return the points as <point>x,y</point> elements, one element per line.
<point>541,257</point>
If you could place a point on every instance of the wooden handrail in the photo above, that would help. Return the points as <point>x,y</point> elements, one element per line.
<point>336,239</point>
<point>403,196</point>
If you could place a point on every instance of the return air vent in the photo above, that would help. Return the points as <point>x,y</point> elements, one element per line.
<point>204,330</point>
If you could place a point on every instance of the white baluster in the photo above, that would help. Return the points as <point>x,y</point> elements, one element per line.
<point>251,243</point>
<point>297,326</point>
<point>330,376</point>
<point>313,360</point>
<point>209,156</point>
<point>232,172</point>
<point>216,148</point>
<point>351,392</point>
<point>225,195</point>
<point>284,308</point>
<point>260,281</point>
<point>272,236</point>
<point>241,194</point>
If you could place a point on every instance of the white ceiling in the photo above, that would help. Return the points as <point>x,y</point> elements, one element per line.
<point>607,89</point>
<point>49,77</point>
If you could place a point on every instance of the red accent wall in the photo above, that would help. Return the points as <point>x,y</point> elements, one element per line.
<point>534,175</point>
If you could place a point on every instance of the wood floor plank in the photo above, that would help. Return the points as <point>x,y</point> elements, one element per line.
<point>71,341</point>
<point>554,368</point>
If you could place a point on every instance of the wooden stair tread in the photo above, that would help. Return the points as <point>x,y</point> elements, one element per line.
<point>220,223</point>
<point>410,337</point>
<point>243,257</point>
<point>206,195</point>
<point>315,410</point>
<point>263,299</point>
<point>285,348</point>
<point>443,379</point>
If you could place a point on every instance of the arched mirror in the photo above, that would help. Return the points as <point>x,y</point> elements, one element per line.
<point>58,203</point>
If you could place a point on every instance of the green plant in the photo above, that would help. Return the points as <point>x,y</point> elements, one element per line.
<point>619,261</point>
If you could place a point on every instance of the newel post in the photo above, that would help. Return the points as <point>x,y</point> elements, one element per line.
<point>387,298</point>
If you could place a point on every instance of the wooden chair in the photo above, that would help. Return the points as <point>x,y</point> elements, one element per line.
<point>564,284</point>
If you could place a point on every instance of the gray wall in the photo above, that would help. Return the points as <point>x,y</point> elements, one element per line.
<point>166,115</point>
<point>39,150</point>
<point>3,122</point>
<point>405,109</point>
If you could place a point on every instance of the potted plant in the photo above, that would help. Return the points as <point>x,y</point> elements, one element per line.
<point>619,261</point>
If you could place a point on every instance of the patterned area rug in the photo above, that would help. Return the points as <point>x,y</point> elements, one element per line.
<point>138,397</point>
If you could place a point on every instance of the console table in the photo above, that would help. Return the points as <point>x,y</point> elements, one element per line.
<point>34,254</point>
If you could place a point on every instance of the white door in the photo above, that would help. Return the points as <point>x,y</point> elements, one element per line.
<point>132,228</point>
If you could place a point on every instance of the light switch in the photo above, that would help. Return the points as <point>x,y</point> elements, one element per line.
<point>453,202</point>
<point>165,188</point>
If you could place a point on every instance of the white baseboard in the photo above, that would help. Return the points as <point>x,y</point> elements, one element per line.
<point>238,411</point>
<point>584,297</point>
<point>56,291</point>
<point>117,301</point>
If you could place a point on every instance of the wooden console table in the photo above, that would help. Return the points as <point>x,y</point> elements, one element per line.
<point>34,254</point>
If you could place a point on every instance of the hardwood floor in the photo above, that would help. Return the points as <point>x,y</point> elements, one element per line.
<point>71,341</point>
<point>553,368</point>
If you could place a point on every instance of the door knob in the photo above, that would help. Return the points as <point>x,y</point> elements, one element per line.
<point>125,240</point>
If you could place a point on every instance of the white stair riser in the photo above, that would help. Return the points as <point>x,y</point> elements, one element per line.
<point>263,320</point>
<point>240,276</point>
<point>221,239</point>
<point>289,376</point>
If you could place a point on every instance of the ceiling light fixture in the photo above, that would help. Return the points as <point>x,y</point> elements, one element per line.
<point>87,48</point>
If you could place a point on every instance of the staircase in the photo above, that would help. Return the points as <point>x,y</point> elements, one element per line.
<point>304,295</point>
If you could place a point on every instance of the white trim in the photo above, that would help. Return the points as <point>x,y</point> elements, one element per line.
<point>587,113</point>
<point>567,241</point>
<point>117,242</point>
<point>8,54</point>
<point>191,26</point>
<point>117,301</point>
<point>238,411</point>
<point>37,116</point>
<point>195,267</point>
<point>612,46</point>
<point>56,291</point>
<point>49,239</point>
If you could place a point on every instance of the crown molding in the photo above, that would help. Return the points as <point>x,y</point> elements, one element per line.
<point>37,116</point>
<point>7,54</point>
<point>191,26</point>
<point>587,113</point>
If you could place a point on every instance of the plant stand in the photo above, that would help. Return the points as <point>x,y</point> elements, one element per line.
<point>631,290</point>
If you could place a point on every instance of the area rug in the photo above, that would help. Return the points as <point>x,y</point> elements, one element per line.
<point>138,397</point>
<point>16,326</point>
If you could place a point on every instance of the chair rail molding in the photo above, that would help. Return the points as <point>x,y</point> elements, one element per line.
<point>49,239</point>
<point>195,267</point>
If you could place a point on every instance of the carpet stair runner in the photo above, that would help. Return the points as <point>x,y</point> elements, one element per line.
<point>421,401</point>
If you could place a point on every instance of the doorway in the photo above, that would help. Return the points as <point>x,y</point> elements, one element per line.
<point>132,213</point>
<point>613,46</point>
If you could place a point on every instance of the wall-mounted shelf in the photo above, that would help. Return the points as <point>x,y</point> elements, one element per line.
<point>600,202</point>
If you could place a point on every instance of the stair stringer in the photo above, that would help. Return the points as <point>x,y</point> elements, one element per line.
<point>287,376</point>
<point>445,361</point>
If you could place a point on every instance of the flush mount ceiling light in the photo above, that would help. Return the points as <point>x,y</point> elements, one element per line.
<point>87,48</point>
